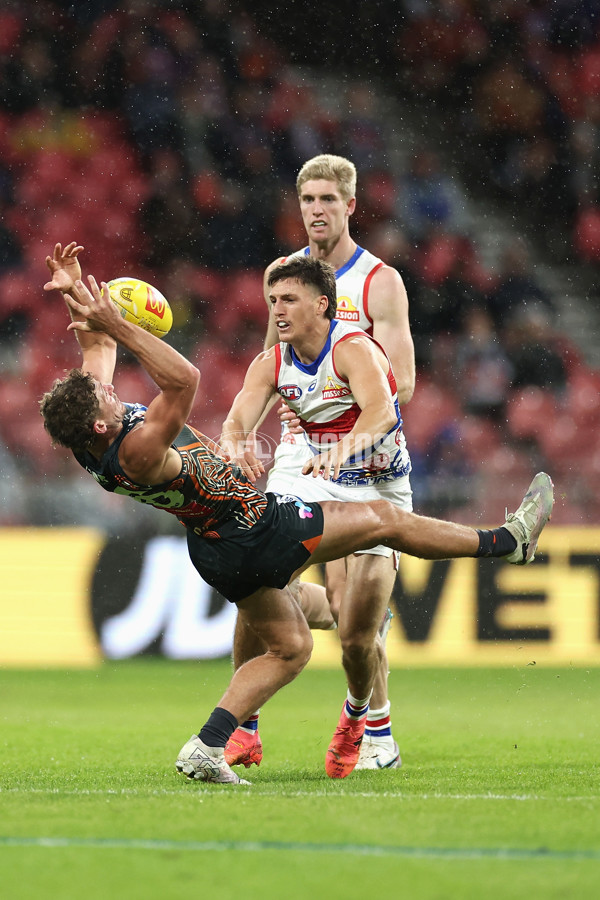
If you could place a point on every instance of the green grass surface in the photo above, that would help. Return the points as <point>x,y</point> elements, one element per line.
<point>498,796</point>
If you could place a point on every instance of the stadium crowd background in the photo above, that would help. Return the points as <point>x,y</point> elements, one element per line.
<point>166,138</point>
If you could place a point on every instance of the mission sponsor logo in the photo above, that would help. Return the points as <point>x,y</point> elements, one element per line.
<point>346,311</point>
<point>334,389</point>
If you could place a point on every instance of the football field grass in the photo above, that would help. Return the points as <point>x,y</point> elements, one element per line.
<point>498,796</point>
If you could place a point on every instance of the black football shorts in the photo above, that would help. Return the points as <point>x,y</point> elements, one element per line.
<point>242,560</point>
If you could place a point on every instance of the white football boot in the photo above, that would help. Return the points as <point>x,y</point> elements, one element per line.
<point>527,522</point>
<point>196,760</point>
<point>378,756</point>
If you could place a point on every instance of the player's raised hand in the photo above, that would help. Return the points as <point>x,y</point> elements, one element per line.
<point>64,267</point>
<point>92,307</point>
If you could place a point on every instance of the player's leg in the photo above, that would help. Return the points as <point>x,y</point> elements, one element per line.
<point>335,583</point>
<point>350,527</point>
<point>276,619</point>
<point>312,600</point>
<point>363,605</point>
<point>244,747</point>
<point>379,750</point>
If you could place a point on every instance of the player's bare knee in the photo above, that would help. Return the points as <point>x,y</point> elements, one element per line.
<point>388,518</point>
<point>295,653</point>
<point>359,643</point>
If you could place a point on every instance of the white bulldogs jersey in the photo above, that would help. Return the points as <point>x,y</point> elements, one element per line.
<point>353,281</point>
<point>328,410</point>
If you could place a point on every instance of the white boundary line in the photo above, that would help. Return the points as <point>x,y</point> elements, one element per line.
<point>466,853</point>
<point>217,791</point>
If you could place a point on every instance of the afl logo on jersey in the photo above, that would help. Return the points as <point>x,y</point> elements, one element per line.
<point>346,311</point>
<point>290,391</point>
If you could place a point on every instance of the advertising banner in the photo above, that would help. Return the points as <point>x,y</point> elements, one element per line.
<point>71,597</point>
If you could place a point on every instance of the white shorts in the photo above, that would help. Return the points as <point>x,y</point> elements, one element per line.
<point>285,479</point>
<point>287,464</point>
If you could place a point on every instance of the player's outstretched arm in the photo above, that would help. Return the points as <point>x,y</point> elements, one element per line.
<point>99,351</point>
<point>246,412</point>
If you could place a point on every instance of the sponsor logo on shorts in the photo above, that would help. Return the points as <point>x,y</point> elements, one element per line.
<point>286,498</point>
<point>304,511</point>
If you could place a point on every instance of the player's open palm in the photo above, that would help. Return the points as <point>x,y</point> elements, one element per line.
<point>326,465</point>
<point>64,267</point>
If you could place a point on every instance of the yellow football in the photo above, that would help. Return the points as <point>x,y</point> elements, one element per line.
<point>142,304</point>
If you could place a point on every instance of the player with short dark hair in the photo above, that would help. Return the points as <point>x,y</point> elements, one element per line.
<point>370,296</point>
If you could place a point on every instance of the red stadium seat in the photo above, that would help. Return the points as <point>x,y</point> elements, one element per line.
<point>479,438</point>
<point>529,411</point>
<point>245,300</point>
<point>583,397</point>
<point>430,410</point>
<point>561,442</point>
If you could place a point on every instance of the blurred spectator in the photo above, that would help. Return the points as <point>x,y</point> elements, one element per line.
<point>584,175</point>
<point>168,218</point>
<point>516,288</point>
<point>573,23</point>
<point>429,198</point>
<point>509,111</point>
<point>203,101</point>
<point>586,232</point>
<point>535,178</point>
<point>11,252</point>
<point>484,370</point>
<point>151,72</point>
<point>30,77</point>
<point>441,40</point>
<point>235,233</point>
<point>442,477</point>
<point>365,142</point>
<point>191,296</point>
<point>458,296</point>
<point>534,352</point>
